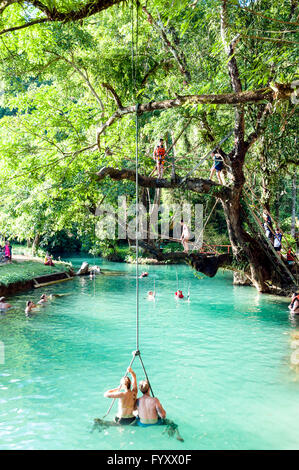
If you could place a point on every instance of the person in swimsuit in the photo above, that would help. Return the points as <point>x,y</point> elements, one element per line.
<point>159,157</point>
<point>294,305</point>
<point>29,306</point>
<point>150,410</point>
<point>127,398</point>
<point>43,299</point>
<point>217,167</point>
<point>4,305</point>
<point>185,236</point>
<point>151,295</point>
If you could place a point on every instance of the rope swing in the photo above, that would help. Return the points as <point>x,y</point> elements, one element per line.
<point>137,352</point>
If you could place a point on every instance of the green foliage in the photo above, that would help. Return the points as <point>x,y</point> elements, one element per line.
<point>27,270</point>
<point>53,100</point>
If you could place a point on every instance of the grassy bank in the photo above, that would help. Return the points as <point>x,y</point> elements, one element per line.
<point>25,270</point>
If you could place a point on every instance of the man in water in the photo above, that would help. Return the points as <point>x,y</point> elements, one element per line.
<point>4,305</point>
<point>149,408</point>
<point>127,398</point>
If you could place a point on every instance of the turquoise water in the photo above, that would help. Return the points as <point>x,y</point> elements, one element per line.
<point>220,364</point>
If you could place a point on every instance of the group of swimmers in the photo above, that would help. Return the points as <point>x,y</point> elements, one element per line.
<point>151,295</point>
<point>31,305</point>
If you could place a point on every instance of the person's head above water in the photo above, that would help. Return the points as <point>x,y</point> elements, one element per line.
<point>143,386</point>
<point>2,299</point>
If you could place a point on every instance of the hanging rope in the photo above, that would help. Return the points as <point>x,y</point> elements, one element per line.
<point>136,353</point>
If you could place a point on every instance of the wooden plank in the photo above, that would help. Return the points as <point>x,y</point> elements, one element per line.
<point>52,282</point>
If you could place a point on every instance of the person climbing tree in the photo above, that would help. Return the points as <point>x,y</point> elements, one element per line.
<point>277,240</point>
<point>218,167</point>
<point>268,227</point>
<point>159,157</point>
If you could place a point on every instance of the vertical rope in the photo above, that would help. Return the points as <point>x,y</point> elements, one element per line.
<point>137,233</point>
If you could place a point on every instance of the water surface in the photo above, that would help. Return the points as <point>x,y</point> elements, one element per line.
<point>220,364</point>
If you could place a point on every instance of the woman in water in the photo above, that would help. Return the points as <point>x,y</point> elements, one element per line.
<point>29,306</point>
<point>151,295</point>
<point>294,305</point>
<point>43,299</point>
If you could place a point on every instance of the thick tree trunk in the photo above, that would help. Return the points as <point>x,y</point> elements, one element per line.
<point>35,244</point>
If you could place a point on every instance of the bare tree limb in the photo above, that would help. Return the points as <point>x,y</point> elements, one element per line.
<point>114,94</point>
<point>197,185</point>
<point>250,96</point>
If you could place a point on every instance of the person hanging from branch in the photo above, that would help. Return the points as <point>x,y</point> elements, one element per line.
<point>159,157</point>
<point>217,167</point>
<point>127,398</point>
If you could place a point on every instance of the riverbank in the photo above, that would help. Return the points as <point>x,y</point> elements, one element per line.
<point>23,271</point>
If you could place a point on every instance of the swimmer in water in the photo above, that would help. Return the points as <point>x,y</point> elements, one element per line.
<point>294,305</point>
<point>43,299</point>
<point>179,294</point>
<point>144,274</point>
<point>4,305</point>
<point>151,295</point>
<point>29,306</point>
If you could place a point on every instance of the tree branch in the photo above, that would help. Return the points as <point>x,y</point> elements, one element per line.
<point>250,96</point>
<point>114,94</point>
<point>92,7</point>
<point>178,55</point>
<point>197,185</point>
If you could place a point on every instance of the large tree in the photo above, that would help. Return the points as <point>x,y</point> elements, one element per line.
<point>205,62</point>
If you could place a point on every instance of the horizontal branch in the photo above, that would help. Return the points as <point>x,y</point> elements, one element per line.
<point>242,97</point>
<point>206,264</point>
<point>197,185</point>
<point>54,14</point>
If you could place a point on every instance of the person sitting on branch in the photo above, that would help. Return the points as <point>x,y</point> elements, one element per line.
<point>159,157</point>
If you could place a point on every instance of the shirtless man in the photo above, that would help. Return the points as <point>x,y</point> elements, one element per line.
<point>127,398</point>
<point>4,305</point>
<point>149,408</point>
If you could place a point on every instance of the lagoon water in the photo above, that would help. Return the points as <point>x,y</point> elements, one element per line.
<point>220,364</point>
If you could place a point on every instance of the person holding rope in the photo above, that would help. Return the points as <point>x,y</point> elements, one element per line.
<point>127,398</point>
<point>159,157</point>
